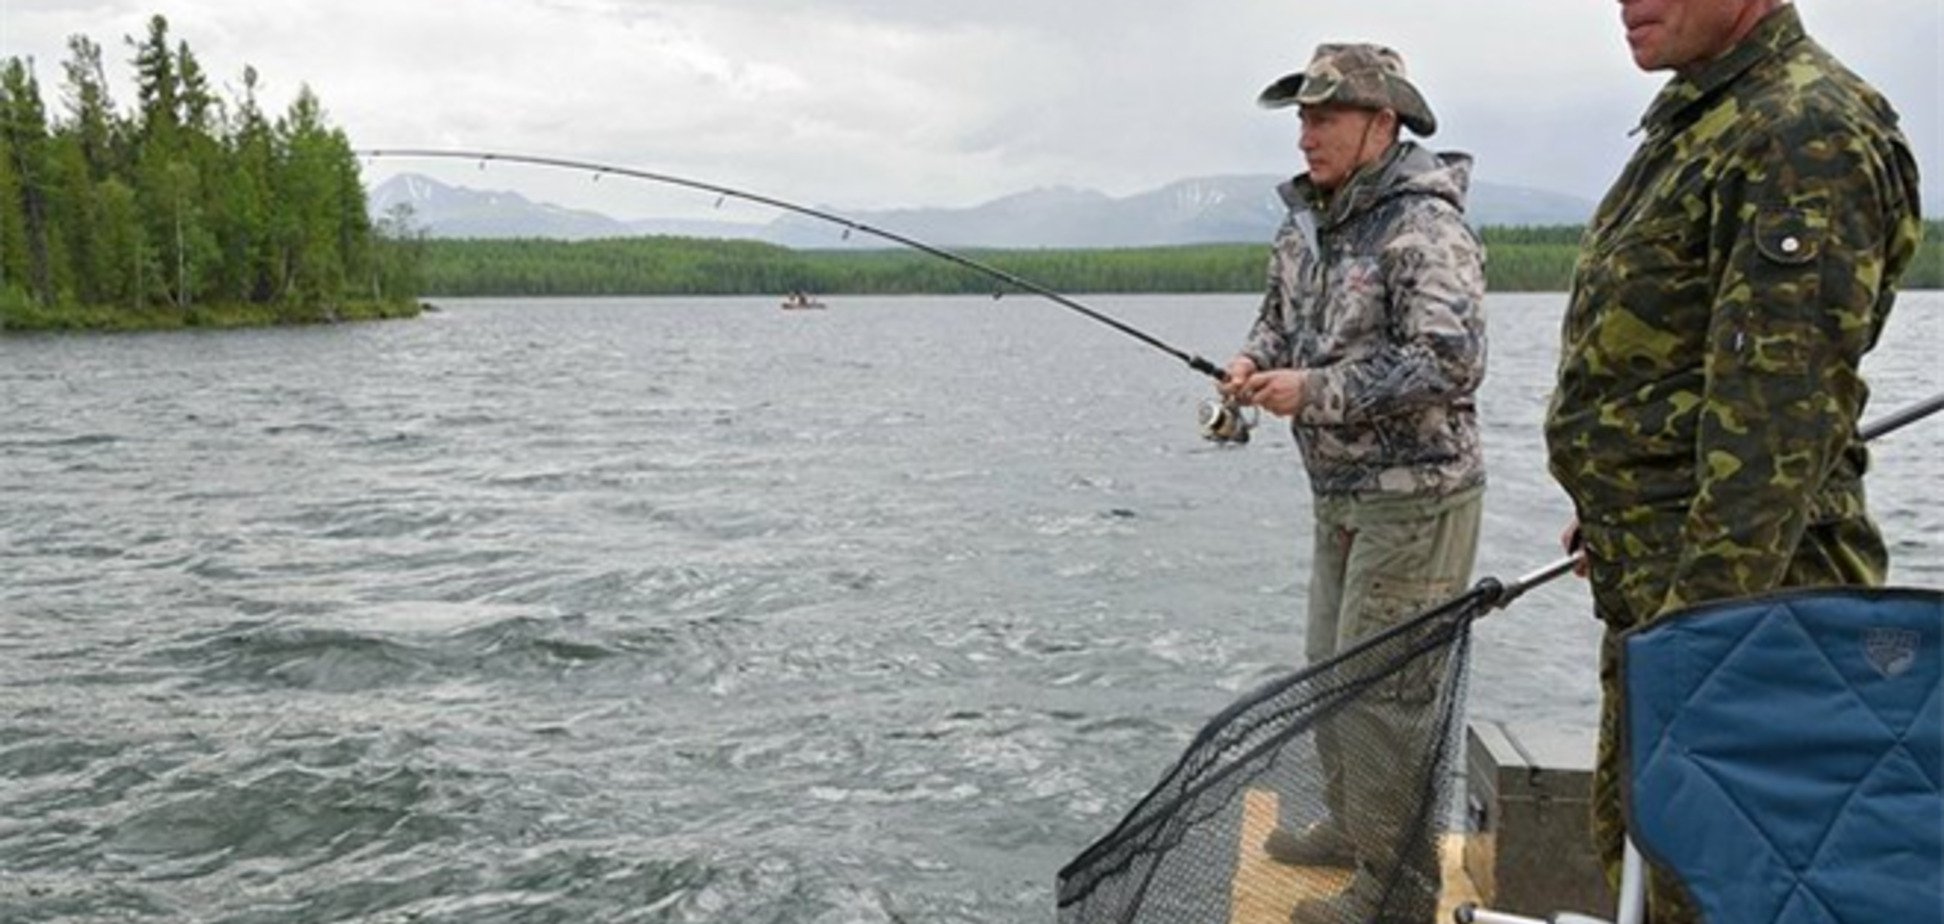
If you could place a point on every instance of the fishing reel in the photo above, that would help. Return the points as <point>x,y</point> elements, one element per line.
<point>1224,421</point>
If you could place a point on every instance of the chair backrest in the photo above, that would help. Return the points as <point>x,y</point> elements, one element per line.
<point>1787,755</point>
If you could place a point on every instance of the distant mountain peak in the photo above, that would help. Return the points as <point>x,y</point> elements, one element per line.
<point>448,211</point>
<point>1212,209</point>
<point>1047,194</point>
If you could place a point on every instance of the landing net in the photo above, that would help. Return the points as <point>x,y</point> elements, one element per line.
<point>1366,739</point>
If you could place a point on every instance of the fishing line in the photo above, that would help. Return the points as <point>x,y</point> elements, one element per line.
<point>1194,362</point>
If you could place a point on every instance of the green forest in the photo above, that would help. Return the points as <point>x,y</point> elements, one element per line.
<point>1519,259</point>
<point>186,210</point>
<point>682,266</point>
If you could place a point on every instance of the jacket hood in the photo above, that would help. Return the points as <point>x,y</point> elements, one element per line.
<point>1407,169</point>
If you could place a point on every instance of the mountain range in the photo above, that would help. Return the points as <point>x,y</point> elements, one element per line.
<point>1193,211</point>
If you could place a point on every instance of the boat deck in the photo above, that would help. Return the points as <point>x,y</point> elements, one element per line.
<point>1264,891</point>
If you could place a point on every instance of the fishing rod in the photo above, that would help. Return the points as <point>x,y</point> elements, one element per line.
<point>1222,423</point>
<point>1501,594</point>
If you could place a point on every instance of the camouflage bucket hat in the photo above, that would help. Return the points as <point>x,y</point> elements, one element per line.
<point>1362,75</point>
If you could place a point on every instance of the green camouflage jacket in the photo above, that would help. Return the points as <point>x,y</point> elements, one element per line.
<point>1379,292</point>
<point>1725,294</point>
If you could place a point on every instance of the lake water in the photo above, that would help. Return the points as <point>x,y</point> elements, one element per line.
<point>682,610</point>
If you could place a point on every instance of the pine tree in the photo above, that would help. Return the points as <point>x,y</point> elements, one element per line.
<point>155,82</point>
<point>307,191</point>
<point>173,155</point>
<point>131,271</point>
<point>353,225</point>
<point>197,109</point>
<point>79,224</point>
<point>250,239</point>
<point>91,112</point>
<point>23,121</point>
<point>14,260</point>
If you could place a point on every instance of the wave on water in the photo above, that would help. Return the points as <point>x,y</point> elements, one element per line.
<point>678,610</point>
<point>505,650</point>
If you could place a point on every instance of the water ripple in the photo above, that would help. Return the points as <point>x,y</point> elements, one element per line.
<point>530,613</point>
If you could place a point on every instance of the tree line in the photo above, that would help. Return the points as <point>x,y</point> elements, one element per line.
<point>1519,259</point>
<point>187,209</point>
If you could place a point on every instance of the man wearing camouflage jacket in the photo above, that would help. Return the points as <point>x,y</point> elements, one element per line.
<point>1371,339</point>
<point>1705,421</point>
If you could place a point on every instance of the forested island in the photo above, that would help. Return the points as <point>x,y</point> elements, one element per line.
<point>187,210</point>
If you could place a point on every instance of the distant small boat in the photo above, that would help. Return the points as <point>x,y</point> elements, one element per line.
<point>799,300</point>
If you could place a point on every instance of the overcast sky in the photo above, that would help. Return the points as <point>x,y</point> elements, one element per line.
<point>884,103</point>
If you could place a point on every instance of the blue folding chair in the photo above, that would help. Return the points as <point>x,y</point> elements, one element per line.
<point>1786,759</point>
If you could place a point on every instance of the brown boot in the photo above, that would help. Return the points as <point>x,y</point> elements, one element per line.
<point>1341,908</point>
<point>1320,844</point>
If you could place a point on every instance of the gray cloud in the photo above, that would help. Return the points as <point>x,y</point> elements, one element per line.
<point>876,103</point>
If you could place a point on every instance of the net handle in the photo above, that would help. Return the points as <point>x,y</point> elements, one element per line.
<point>1501,594</point>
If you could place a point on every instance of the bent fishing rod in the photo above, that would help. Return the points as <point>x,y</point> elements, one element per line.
<point>1194,362</point>
<point>1499,595</point>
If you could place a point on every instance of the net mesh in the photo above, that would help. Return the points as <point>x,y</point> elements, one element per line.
<point>1351,758</point>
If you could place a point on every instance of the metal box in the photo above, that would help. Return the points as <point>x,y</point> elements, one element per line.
<point>1529,847</point>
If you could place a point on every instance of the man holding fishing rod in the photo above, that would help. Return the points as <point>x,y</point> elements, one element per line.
<point>1371,340</point>
<point>1705,422</point>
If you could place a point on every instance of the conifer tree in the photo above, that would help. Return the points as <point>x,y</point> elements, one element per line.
<point>155,81</point>
<point>302,189</point>
<point>14,261</point>
<point>23,122</point>
<point>90,109</point>
<point>130,271</point>
<point>73,196</point>
<point>250,241</point>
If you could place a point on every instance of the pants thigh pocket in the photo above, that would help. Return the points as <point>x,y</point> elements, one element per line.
<point>1391,602</point>
<point>1396,547</point>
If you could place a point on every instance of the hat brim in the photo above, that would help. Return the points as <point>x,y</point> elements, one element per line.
<point>1412,110</point>
<point>1410,106</point>
<point>1282,93</point>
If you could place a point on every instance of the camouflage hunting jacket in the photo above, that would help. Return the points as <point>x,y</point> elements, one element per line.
<point>1379,293</point>
<point>1726,291</point>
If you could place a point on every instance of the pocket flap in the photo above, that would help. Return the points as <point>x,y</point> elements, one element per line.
<point>1789,236</point>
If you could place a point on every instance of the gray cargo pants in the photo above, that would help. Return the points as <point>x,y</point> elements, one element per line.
<point>1378,561</point>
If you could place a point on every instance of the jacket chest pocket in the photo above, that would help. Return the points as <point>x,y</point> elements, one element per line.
<point>1354,312</point>
<point>1647,285</point>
